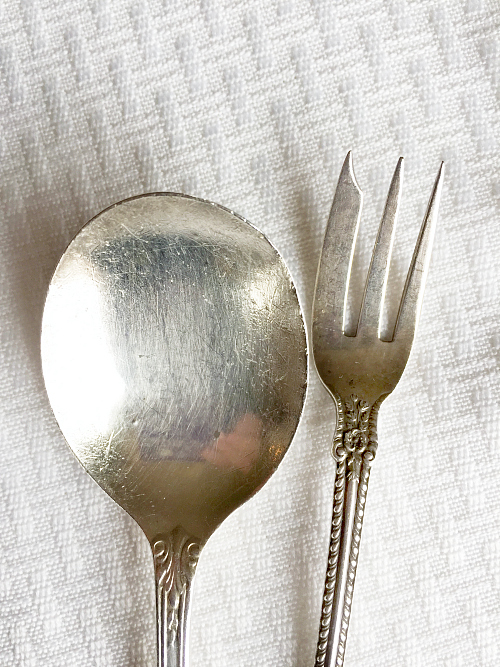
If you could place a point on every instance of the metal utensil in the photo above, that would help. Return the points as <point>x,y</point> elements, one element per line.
<point>359,369</point>
<point>174,357</point>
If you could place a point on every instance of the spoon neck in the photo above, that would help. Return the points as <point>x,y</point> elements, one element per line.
<point>175,558</point>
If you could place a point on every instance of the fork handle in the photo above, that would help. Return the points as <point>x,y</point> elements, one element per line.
<point>354,448</point>
<point>345,539</point>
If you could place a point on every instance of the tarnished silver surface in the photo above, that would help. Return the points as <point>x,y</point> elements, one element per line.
<point>359,369</point>
<point>174,356</point>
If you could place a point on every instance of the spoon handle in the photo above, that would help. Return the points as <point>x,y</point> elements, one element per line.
<point>175,558</point>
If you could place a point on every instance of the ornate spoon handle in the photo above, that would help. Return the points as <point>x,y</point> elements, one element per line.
<point>354,448</point>
<point>175,559</point>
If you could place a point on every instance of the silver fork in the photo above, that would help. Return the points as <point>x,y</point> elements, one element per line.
<point>359,368</point>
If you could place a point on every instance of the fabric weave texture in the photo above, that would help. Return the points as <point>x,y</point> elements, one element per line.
<point>254,105</point>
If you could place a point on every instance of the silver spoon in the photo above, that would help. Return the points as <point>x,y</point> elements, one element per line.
<point>174,357</point>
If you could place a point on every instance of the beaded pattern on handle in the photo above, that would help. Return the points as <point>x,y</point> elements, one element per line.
<point>354,448</point>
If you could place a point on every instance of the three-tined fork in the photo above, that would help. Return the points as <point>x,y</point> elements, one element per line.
<point>359,368</point>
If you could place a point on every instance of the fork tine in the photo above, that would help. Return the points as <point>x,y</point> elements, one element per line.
<point>413,292</point>
<point>338,251</point>
<point>376,281</point>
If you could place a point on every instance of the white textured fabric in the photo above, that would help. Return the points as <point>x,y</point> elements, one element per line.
<point>253,105</point>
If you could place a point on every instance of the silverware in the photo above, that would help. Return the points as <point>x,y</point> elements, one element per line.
<point>360,369</point>
<point>174,357</point>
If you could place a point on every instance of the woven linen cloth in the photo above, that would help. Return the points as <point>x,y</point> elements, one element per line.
<point>254,105</point>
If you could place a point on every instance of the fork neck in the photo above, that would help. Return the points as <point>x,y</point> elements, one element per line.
<point>355,438</point>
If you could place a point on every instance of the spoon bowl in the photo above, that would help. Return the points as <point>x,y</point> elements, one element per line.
<point>174,357</point>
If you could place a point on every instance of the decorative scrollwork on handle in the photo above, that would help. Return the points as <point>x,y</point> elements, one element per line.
<point>355,437</point>
<point>175,558</point>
